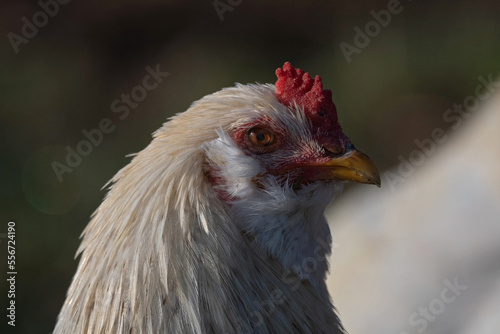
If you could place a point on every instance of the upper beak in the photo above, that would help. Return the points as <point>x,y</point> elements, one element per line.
<point>352,166</point>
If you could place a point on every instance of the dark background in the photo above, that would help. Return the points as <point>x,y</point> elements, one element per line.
<point>65,78</point>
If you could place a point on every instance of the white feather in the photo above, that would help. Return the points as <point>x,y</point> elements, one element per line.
<point>163,254</point>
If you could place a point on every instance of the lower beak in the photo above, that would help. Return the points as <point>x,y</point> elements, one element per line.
<point>352,166</point>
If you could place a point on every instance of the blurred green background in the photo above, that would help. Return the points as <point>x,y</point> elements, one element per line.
<point>64,79</point>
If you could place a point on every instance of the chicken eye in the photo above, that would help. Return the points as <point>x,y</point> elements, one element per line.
<point>260,137</point>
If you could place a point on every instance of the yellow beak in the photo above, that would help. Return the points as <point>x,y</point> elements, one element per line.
<point>352,166</point>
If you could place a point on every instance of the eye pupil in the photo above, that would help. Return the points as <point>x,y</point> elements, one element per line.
<point>261,138</point>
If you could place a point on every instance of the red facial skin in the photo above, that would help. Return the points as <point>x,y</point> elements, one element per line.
<point>302,165</point>
<point>212,173</point>
<point>295,87</point>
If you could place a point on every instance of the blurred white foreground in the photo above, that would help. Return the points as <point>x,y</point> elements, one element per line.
<point>397,251</point>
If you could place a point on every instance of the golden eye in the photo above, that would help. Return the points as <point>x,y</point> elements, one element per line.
<point>260,137</point>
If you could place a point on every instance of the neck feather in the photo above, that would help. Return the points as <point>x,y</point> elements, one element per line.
<point>163,254</point>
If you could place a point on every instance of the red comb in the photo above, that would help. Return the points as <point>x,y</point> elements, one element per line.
<point>295,85</point>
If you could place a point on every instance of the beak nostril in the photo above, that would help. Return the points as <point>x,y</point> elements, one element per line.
<point>334,149</point>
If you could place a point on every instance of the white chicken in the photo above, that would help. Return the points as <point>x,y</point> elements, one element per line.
<point>221,229</point>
